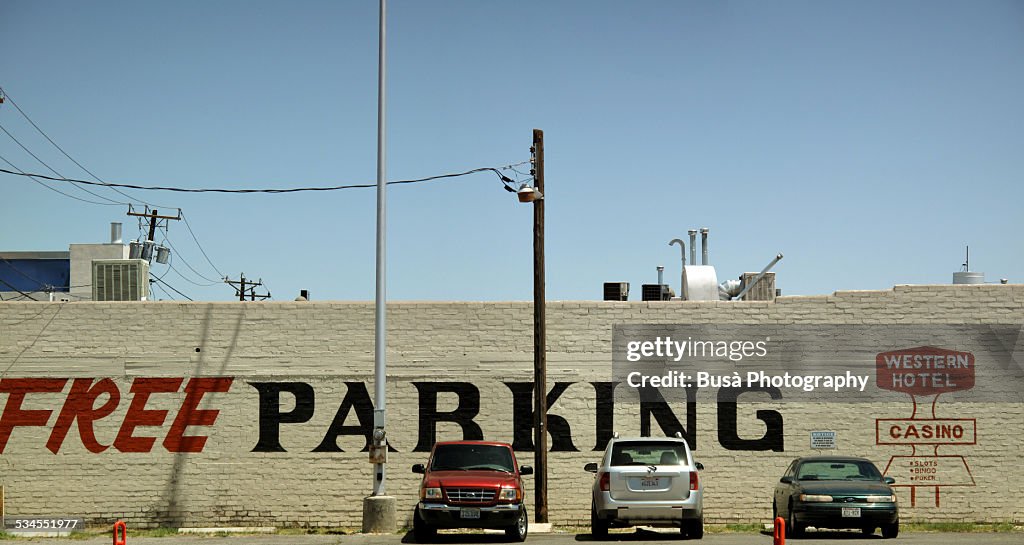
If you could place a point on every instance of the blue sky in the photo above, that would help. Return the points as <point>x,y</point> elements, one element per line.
<point>867,141</point>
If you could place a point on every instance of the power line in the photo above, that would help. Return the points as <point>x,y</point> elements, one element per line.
<point>43,286</point>
<point>268,289</point>
<point>39,335</point>
<point>177,255</point>
<point>72,159</point>
<point>189,265</point>
<point>222,275</point>
<point>155,279</point>
<point>167,293</point>
<point>170,263</point>
<point>33,178</point>
<point>193,282</point>
<point>504,179</point>
<point>15,269</point>
<point>51,169</point>
<point>212,282</point>
<point>27,296</point>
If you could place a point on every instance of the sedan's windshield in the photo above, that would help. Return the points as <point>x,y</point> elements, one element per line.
<point>472,457</point>
<point>838,470</point>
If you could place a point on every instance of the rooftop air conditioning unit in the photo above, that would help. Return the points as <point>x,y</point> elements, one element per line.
<point>656,292</point>
<point>764,290</point>
<point>616,291</point>
<point>120,280</point>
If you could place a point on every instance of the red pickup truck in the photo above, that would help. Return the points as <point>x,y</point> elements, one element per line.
<point>471,484</point>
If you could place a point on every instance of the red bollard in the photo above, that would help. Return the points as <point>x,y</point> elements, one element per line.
<point>780,532</point>
<point>120,525</point>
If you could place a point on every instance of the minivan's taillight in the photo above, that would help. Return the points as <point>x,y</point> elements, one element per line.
<point>604,480</point>
<point>694,483</point>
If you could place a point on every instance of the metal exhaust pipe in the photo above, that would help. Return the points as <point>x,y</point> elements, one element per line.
<point>115,232</point>
<point>693,246</point>
<point>704,245</point>
<point>661,275</point>
<point>682,271</point>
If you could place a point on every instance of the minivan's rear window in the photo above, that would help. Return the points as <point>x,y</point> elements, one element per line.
<point>646,453</point>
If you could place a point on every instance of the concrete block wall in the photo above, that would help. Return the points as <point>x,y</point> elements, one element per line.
<point>319,355</point>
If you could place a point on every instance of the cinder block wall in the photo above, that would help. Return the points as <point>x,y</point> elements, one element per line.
<point>320,355</point>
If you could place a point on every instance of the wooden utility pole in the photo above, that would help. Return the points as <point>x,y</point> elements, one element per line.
<point>245,288</point>
<point>153,218</point>
<point>540,374</point>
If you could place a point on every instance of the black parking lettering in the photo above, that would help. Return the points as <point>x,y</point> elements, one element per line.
<point>463,415</point>
<point>271,417</point>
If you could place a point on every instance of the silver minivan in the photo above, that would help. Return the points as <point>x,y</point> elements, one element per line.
<point>647,481</point>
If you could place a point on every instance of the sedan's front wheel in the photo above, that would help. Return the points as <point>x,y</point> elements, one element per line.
<point>517,532</point>
<point>792,528</point>
<point>890,531</point>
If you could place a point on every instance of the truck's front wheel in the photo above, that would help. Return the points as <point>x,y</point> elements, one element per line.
<point>423,532</point>
<point>517,532</point>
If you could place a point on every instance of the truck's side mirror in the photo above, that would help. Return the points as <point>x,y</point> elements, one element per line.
<point>526,470</point>
<point>418,468</point>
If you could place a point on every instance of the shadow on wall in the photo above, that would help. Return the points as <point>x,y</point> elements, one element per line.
<point>171,513</point>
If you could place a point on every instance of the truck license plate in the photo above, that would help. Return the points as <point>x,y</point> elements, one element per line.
<point>851,512</point>
<point>471,513</point>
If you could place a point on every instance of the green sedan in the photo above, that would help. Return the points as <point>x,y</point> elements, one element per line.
<point>836,492</point>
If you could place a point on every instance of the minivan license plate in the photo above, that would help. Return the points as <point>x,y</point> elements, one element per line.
<point>851,512</point>
<point>471,513</point>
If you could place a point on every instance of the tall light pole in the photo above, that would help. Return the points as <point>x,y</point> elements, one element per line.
<point>535,195</point>
<point>379,509</point>
<point>380,306</point>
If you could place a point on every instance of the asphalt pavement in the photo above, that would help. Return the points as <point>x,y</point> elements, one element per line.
<point>559,538</point>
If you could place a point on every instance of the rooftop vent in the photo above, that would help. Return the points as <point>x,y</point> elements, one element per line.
<point>966,276</point>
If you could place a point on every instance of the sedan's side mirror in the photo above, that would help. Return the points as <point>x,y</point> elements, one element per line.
<point>889,480</point>
<point>526,470</point>
<point>699,466</point>
<point>418,468</point>
<point>591,467</point>
<point>787,479</point>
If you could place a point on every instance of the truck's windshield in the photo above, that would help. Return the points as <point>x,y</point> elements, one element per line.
<point>471,457</point>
